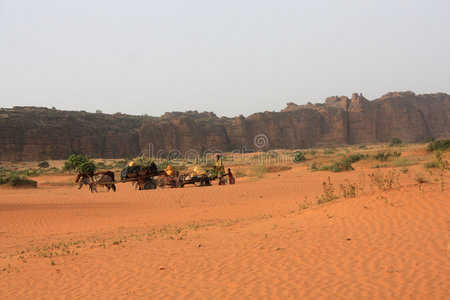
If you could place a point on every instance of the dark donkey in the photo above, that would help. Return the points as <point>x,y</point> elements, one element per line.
<point>92,179</point>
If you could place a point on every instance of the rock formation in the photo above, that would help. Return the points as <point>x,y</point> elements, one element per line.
<point>30,133</point>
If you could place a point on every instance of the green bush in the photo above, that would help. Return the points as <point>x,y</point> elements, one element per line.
<point>17,181</point>
<point>299,157</point>
<point>439,145</point>
<point>382,156</point>
<point>74,162</point>
<point>439,161</point>
<point>356,157</point>
<point>395,142</point>
<point>337,166</point>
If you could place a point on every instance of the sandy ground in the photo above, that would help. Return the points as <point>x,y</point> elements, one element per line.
<point>258,239</point>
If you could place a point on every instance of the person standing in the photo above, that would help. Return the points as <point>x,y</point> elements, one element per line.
<point>220,169</point>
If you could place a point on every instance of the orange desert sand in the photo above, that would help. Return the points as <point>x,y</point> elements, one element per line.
<point>254,240</point>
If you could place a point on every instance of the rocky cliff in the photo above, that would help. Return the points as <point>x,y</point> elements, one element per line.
<point>30,133</point>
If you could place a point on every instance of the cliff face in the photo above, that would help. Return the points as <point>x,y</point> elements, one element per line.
<point>28,133</point>
<point>40,133</point>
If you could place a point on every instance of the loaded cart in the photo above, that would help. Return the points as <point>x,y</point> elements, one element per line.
<point>149,177</point>
<point>199,177</point>
<point>146,178</point>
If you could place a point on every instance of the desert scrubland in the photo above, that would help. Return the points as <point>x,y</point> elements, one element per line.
<point>285,230</point>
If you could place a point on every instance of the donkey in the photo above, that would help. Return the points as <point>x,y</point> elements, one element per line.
<point>92,179</point>
<point>102,179</point>
<point>83,179</point>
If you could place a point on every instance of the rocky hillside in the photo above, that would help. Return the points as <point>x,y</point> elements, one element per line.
<point>30,133</point>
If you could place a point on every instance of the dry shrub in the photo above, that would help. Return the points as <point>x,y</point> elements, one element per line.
<point>328,192</point>
<point>348,189</point>
<point>385,181</point>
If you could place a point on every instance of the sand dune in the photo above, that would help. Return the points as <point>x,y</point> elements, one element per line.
<point>256,239</point>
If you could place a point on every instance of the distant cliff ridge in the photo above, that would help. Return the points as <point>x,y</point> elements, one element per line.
<point>30,133</point>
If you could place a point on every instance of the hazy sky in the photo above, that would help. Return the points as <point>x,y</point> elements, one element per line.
<point>230,57</point>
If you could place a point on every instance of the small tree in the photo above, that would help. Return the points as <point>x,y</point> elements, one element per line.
<point>74,162</point>
<point>43,165</point>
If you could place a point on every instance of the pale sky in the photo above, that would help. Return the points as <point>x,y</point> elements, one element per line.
<point>230,57</point>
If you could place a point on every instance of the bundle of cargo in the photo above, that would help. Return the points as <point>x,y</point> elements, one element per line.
<point>139,167</point>
<point>198,175</point>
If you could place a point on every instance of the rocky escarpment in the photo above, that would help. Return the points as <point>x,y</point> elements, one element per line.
<point>29,133</point>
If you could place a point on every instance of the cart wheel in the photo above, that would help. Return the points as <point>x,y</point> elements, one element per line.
<point>149,185</point>
<point>177,182</point>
